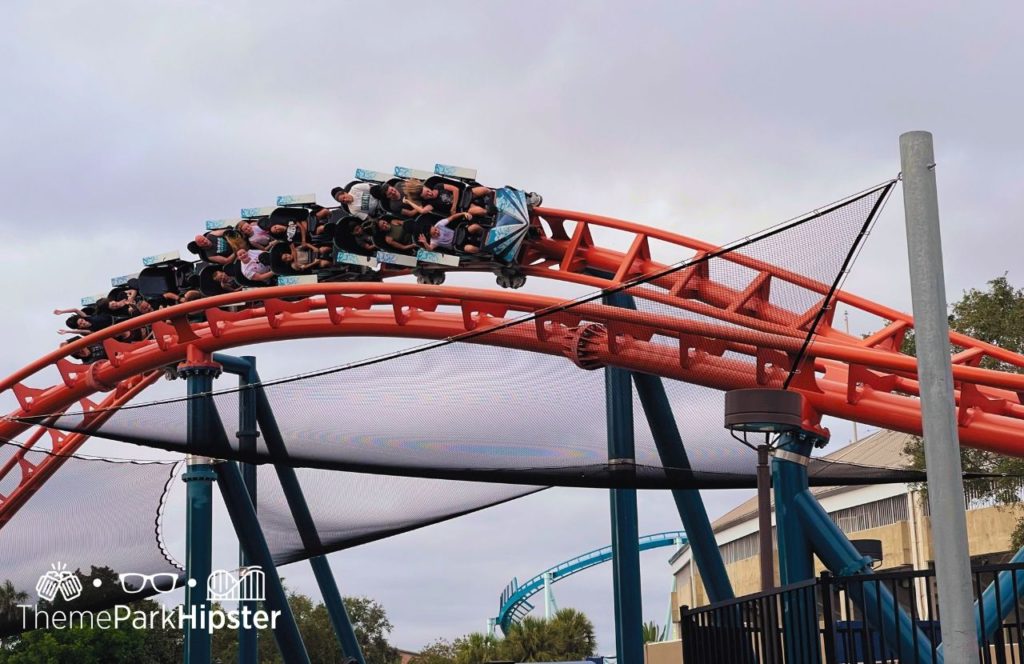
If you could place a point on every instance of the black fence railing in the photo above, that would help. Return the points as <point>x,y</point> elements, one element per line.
<point>889,617</point>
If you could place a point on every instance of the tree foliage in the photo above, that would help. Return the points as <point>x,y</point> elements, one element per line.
<point>569,635</point>
<point>996,316</point>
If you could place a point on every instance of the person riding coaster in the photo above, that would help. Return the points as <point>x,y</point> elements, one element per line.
<point>451,234</point>
<point>445,197</point>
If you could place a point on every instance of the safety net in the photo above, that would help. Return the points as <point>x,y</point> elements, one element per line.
<point>88,537</point>
<point>522,400</point>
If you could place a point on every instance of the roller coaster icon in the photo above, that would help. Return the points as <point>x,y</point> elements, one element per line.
<point>247,584</point>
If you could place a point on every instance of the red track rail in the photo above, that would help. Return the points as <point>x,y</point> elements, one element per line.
<point>866,380</point>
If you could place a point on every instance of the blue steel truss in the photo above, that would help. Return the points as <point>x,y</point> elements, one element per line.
<point>514,604</point>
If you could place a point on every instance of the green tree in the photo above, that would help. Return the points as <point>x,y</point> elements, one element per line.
<point>10,598</point>
<point>475,648</point>
<point>369,620</point>
<point>996,316</point>
<point>573,634</point>
<point>530,640</point>
<point>437,652</point>
<point>371,625</point>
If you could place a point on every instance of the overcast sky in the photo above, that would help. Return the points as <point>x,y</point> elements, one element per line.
<point>124,125</point>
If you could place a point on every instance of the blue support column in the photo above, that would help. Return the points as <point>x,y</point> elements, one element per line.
<point>250,536</point>
<point>629,644</point>
<point>689,503</point>
<point>248,637</point>
<point>796,558</point>
<point>804,528</point>
<point>998,600</point>
<point>789,479</point>
<point>198,478</point>
<point>299,509</point>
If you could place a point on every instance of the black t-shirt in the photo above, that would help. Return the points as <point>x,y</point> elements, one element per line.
<point>220,246</point>
<point>443,203</point>
<point>99,321</point>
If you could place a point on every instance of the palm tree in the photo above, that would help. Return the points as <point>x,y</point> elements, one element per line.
<point>573,634</point>
<point>476,648</point>
<point>529,641</point>
<point>10,598</point>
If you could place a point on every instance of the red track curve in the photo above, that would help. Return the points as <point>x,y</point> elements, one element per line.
<point>866,380</point>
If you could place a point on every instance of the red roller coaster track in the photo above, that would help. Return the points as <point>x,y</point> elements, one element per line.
<point>863,379</point>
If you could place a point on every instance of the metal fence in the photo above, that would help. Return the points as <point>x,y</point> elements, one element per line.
<point>845,620</point>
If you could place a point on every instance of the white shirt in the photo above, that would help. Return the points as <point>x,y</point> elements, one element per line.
<point>363,204</point>
<point>445,236</point>
<point>259,238</point>
<point>254,267</point>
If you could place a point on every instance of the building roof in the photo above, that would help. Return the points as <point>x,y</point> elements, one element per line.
<point>881,449</point>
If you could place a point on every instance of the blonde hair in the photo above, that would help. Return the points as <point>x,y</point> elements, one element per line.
<point>412,188</point>
<point>236,241</point>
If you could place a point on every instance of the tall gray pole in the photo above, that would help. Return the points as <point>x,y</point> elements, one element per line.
<point>938,412</point>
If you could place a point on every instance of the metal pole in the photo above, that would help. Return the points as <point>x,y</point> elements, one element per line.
<point>248,636</point>
<point>198,478</point>
<point>548,600</point>
<point>764,517</point>
<point>250,535</point>
<point>701,537</point>
<point>938,410</point>
<point>629,643</point>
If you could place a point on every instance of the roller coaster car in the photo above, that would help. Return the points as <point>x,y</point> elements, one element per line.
<point>285,215</point>
<point>170,277</point>
<point>512,222</point>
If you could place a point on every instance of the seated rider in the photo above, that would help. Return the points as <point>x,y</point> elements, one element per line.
<point>225,281</point>
<point>213,247</point>
<point>87,354</point>
<point>392,201</point>
<point>441,236</point>
<point>255,264</point>
<point>342,198</point>
<point>359,200</point>
<point>304,256</point>
<point>443,199</point>
<point>254,235</point>
<point>398,234</point>
<point>82,323</point>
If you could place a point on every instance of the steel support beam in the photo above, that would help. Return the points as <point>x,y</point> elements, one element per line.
<point>764,518</point>
<point>938,409</point>
<point>629,642</point>
<point>198,478</point>
<point>250,536</point>
<point>307,528</point>
<point>700,535</point>
<point>299,508</point>
<point>248,637</point>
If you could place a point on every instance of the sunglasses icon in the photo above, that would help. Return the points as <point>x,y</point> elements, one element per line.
<point>162,582</point>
